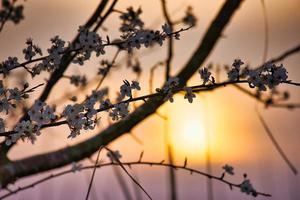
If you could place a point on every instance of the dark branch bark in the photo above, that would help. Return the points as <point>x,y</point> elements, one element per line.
<point>170,40</point>
<point>44,162</point>
<point>65,63</point>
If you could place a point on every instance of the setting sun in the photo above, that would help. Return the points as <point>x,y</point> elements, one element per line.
<point>186,128</point>
<point>162,99</point>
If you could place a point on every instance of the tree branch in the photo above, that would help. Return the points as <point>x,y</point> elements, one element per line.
<point>129,164</point>
<point>44,162</point>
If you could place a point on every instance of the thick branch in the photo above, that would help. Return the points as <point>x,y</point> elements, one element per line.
<point>66,61</point>
<point>43,162</point>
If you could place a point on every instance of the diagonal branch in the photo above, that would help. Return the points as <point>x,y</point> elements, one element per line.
<point>130,164</point>
<point>66,61</point>
<point>44,162</point>
<point>276,144</point>
<point>93,174</point>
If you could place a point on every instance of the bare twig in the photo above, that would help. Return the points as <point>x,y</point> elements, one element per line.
<point>138,163</point>
<point>196,88</point>
<point>125,170</point>
<point>151,77</point>
<point>276,144</point>
<point>266,26</point>
<point>93,174</point>
<point>108,69</point>
<point>284,55</point>
<point>122,183</point>
<point>44,162</point>
<point>58,73</point>
<point>3,21</point>
<point>170,40</point>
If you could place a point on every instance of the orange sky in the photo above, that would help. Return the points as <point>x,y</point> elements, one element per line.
<point>236,136</point>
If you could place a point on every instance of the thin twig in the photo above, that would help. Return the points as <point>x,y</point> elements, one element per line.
<point>93,174</point>
<point>7,16</point>
<point>122,183</point>
<point>125,170</point>
<point>276,144</point>
<point>151,77</point>
<point>108,69</point>
<point>196,88</point>
<point>138,163</point>
<point>170,40</point>
<point>284,55</point>
<point>266,26</point>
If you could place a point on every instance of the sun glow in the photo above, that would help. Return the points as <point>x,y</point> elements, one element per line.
<point>187,128</point>
<point>199,128</point>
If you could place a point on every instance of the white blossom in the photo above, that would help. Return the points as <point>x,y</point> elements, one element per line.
<point>167,29</point>
<point>233,74</point>
<point>119,111</point>
<point>189,17</point>
<point>135,85</point>
<point>114,155</point>
<point>125,90</point>
<point>205,74</point>
<point>228,169</point>
<point>246,187</point>
<point>189,95</point>
<point>15,94</point>
<point>105,104</point>
<point>78,80</point>
<point>131,20</point>
<point>237,64</point>
<point>76,167</point>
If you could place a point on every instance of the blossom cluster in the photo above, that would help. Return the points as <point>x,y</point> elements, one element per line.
<point>78,80</point>
<point>76,167</point>
<point>39,114</point>
<point>228,169</point>
<point>23,129</point>
<point>10,96</point>
<point>88,42</point>
<point>168,89</point>
<point>114,155</point>
<point>268,76</point>
<point>8,64</point>
<point>133,36</point>
<point>105,66</point>
<point>52,61</point>
<point>31,50</point>
<point>147,38</point>
<point>81,116</point>
<point>189,18</point>
<point>246,186</point>
<point>10,11</point>
<point>131,20</point>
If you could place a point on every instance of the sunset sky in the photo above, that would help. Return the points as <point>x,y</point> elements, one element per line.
<point>226,118</point>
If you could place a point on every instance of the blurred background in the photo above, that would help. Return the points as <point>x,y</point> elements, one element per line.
<point>222,125</point>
